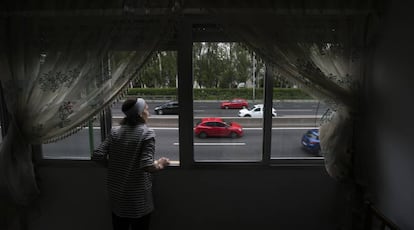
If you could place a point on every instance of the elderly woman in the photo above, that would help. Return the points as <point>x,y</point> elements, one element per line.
<point>129,152</point>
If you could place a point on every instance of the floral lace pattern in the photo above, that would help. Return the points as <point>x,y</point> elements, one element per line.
<point>323,57</point>
<point>54,80</point>
<point>56,76</point>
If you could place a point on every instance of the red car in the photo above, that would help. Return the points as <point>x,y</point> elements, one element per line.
<point>216,127</point>
<point>236,103</point>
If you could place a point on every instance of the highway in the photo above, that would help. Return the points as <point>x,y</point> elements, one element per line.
<point>285,140</point>
<point>212,108</point>
<point>285,143</point>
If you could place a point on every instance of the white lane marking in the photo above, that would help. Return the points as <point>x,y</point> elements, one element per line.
<point>295,110</point>
<point>275,128</point>
<point>213,144</point>
<point>174,128</point>
<point>283,128</point>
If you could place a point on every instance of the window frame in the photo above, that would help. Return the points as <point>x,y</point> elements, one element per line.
<point>186,37</point>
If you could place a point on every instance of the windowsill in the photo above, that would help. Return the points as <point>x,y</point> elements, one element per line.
<point>274,162</point>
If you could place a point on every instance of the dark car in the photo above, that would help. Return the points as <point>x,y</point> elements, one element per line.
<point>217,127</point>
<point>167,108</point>
<point>236,103</point>
<point>310,141</point>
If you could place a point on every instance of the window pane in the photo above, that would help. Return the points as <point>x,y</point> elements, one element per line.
<point>295,117</point>
<point>227,126</point>
<point>163,120</point>
<point>75,146</point>
<point>157,84</point>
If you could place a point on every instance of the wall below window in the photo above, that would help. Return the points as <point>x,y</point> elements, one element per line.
<point>283,197</point>
<point>386,165</point>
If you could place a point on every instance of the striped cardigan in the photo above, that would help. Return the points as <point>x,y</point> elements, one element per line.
<point>128,150</point>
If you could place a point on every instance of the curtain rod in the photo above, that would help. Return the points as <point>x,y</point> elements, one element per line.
<point>189,11</point>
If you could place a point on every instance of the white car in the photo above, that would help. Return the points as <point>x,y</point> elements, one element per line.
<point>255,111</point>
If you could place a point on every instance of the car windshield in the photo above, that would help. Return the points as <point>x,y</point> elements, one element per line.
<point>251,107</point>
<point>254,107</point>
<point>312,135</point>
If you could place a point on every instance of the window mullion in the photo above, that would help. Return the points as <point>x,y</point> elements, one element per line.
<point>267,115</point>
<point>185,95</point>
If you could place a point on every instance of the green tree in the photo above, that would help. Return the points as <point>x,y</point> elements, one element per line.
<point>207,64</point>
<point>242,65</point>
<point>215,65</point>
<point>169,68</point>
<point>148,76</point>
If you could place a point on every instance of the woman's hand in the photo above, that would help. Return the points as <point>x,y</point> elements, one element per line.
<point>158,165</point>
<point>162,162</point>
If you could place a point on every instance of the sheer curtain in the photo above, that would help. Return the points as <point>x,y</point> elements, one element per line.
<point>59,70</point>
<point>324,54</point>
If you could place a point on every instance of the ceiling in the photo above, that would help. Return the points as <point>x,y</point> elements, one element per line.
<point>292,18</point>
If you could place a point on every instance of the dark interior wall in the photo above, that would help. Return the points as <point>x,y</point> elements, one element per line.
<point>388,162</point>
<point>74,197</point>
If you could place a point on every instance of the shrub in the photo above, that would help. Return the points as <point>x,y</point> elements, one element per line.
<point>219,94</point>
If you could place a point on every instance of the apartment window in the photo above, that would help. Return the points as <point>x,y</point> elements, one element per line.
<point>77,146</point>
<point>227,105</point>
<point>158,85</point>
<point>295,130</point>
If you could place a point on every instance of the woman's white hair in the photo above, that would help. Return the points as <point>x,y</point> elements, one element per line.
<point>137,109</point>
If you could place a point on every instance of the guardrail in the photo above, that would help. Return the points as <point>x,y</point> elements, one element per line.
<point>158,97</point>
<point>246,122</point>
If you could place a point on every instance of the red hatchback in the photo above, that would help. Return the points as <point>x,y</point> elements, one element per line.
<point>236,103</point>
<point>216,127</point>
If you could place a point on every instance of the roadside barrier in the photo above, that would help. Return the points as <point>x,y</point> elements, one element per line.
<point>246,122</point>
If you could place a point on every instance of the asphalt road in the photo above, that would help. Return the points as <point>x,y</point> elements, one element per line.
<point>212,108</point>
<point>285,143</point>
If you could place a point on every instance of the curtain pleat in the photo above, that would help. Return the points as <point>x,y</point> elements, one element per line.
<point>323,54</point>
<point>58,72</point>
<point>59,69</point>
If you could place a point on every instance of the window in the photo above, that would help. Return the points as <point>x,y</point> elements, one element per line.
<point>66,148</point>
<point>157,84</point>
<point>233,133</point>
<point>289,118</point>
<point>294,121</point>
<point>228,123</point>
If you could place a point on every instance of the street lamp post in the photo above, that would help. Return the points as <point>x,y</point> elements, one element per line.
<point>254,76</point>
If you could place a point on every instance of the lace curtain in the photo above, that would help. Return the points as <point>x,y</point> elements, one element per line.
<point>324,55</point>
<point>56,74</point>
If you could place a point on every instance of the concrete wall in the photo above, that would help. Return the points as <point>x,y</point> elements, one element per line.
<point>387,156</point>
<point>280,197</point>
<point>247,122</point>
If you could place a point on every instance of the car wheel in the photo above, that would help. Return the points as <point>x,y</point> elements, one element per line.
<point>247,115</point>
<point>159,112</point>
<point>202,135</point>
<point>233,135</point>
<point>226,107</point>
